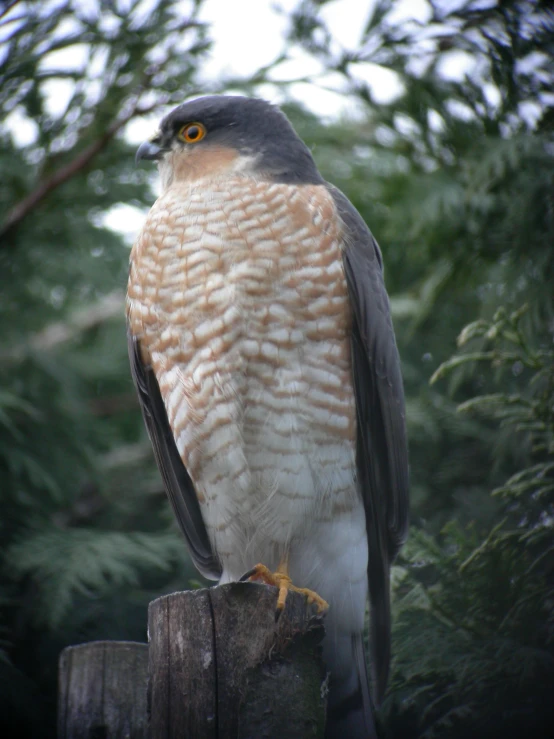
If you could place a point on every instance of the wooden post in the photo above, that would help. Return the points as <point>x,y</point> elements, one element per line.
<point>221,667</point>
<point>102,691</point>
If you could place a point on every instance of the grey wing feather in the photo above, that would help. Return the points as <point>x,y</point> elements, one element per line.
<point>178,485</point>
<point>381,445</point>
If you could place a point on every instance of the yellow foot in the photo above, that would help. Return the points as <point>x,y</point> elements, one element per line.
<point>260,573</point>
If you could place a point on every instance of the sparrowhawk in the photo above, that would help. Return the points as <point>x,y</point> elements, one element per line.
<point>264,356</point>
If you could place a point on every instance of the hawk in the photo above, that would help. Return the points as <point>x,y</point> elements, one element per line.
<point>265,360</point>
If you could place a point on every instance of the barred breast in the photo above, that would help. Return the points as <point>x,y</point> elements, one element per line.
<point>238,297</point>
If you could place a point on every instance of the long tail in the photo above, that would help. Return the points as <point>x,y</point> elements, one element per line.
<point>350,708</point>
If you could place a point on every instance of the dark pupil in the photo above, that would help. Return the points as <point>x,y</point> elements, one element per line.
<point>193,132</point>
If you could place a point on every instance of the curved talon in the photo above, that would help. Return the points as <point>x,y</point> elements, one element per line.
<point>250,574</point>
<point>260,573</point>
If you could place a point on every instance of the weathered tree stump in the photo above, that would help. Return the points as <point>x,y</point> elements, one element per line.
<point>102,691</point>
<point>221,667</point>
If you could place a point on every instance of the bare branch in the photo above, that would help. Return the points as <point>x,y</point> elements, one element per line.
<point>128,455</point>
<point>25,206</point>
<point>9,6</point>
<point>108,307</point>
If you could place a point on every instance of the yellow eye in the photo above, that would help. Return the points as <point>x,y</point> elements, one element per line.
<point>192,133</point>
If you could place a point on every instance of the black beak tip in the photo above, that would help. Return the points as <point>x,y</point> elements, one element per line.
<point>148,150</point>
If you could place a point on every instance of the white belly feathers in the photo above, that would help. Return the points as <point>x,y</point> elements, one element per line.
<point>240,304</point>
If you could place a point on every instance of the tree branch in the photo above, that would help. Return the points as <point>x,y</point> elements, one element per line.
<point>108,307</point>
<point>9,6</point>
<point>126,455</point>
<point>25,206</point>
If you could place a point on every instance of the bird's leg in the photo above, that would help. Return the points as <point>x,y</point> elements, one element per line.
<point>280,579</point>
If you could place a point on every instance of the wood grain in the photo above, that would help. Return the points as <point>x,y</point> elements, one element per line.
<point>222,667</point>
<point>102,691</point>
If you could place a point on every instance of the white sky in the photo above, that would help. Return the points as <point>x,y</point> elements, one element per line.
<point>247,40</point>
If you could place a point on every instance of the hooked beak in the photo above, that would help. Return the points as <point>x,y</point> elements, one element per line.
<point>149,150</point>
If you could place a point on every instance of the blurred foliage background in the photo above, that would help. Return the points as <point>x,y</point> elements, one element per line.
<point>456,179</point>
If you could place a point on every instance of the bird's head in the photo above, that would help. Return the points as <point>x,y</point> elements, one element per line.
<point>220,135</point>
